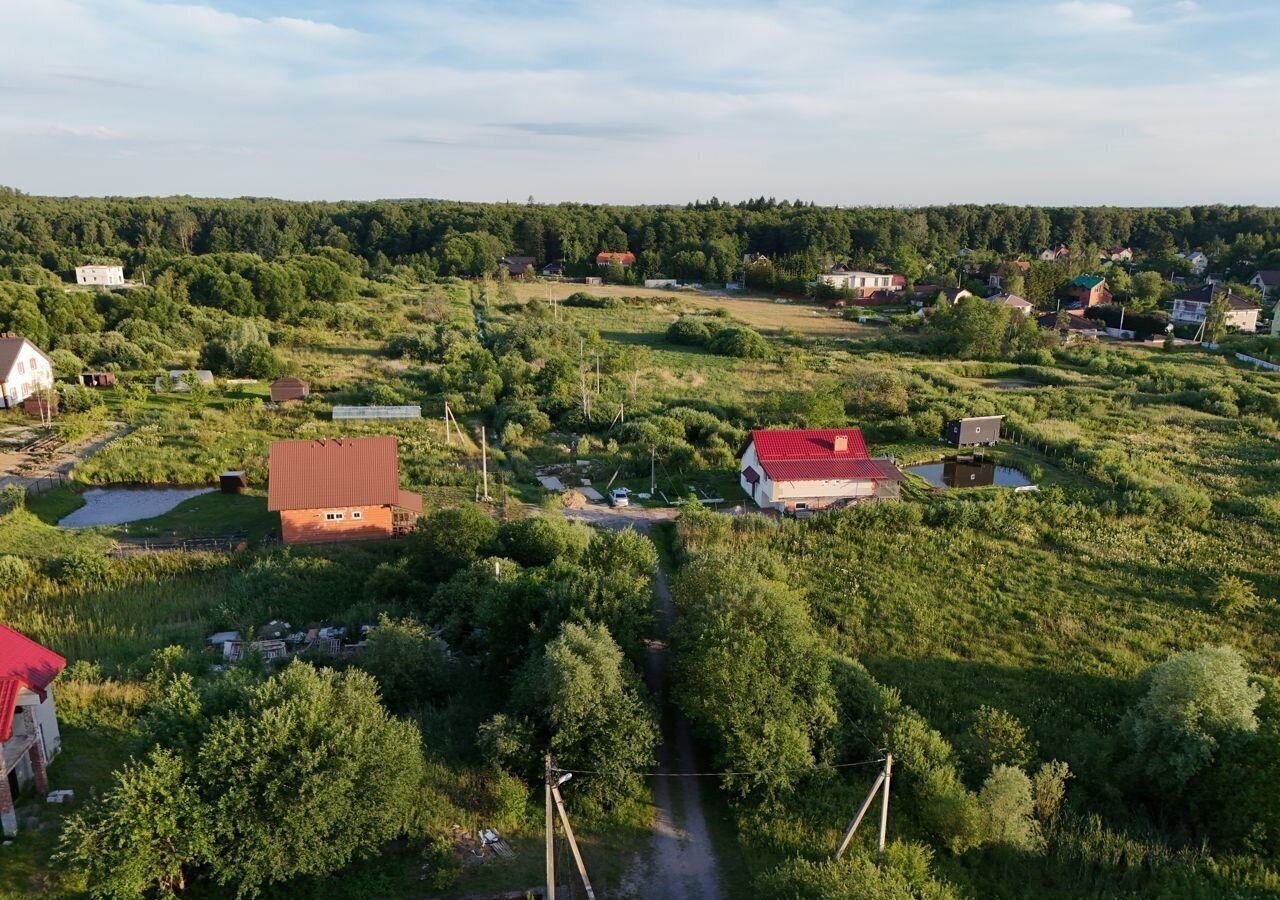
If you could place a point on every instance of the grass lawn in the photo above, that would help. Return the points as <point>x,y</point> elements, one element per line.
<point>208,515</point>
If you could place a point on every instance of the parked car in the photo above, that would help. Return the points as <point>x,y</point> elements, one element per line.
<point>620,497</point>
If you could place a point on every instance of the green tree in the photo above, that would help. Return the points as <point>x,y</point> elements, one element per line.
<point>313,774</point>
<point>409,663</point>
<point>996,738</point>
<point>1008,809</point>
<point>1147,289</point>
<point>1215,318</point>
<point>1192,702</point>
<point>584,701</point>
<point>145,834</point>
<point>450,539</point>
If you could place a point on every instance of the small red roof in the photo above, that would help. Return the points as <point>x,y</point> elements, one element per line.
<point>807,443</point>
<point>23,663</point>
<point>898,280</point>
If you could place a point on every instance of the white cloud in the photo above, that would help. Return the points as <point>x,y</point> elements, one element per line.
<point>1093,16</point>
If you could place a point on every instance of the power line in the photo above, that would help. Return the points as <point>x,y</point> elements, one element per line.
<point>865,762</point>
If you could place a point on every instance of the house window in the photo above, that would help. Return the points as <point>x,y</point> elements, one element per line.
<point>802,506</point>
<point>22,369</point>
<point>333,517</point>
<point>356,514</point>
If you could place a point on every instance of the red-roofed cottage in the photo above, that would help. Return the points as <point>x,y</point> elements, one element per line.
<point>29,735</point>
<point>604,259</point>
<point>339,490</point>
<point>795,471</point>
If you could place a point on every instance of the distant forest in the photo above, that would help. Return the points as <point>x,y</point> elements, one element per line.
<point>703,240</point>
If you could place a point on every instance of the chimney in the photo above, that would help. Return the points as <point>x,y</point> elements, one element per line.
<point>840,443</point>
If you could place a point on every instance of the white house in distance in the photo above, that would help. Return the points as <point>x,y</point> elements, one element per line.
<point>840,277</point>
<point>1192,306</point>
<point>1199,262</point>
<point>798,470</point>
<point>103,276</point>
<point>24,369</point>
<point>29,735</point>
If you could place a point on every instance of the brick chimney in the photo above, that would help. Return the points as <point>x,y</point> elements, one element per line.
<point>840,443</point>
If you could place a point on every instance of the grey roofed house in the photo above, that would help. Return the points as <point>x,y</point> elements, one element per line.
<point>973,430</point>
<point>1013,301</point>
<point>516,266</point>
<point>1266,280</point>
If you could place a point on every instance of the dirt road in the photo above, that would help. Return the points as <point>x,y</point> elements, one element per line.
<point>683,864</point>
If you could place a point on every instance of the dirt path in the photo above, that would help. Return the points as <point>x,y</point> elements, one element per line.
<point>63,461</point>
<point>683,864</point>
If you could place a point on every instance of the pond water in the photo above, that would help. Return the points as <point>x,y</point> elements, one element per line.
<point>116,505</point>
<point>968,471</point>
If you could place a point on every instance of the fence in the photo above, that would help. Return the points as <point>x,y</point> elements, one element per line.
<point>42,483</point>
<point>1261,363</point>
<point>227,543</point>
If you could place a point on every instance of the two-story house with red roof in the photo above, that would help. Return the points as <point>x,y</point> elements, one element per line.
<point>29,736</point>
<point>795,471</point>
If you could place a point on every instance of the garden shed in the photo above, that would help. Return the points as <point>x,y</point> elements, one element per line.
<point>289,388</point>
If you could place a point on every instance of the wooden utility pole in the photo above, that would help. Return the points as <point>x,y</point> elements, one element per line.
<point>484,460</point>
<point>551,827</point>
<point>573,844</point>
<point>881,780</point>
<point>884,806</point>
<point>653,481</point>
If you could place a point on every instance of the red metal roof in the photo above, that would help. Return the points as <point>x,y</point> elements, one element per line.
<point>812,443</point>
<point>23,663</point>
<point>810,455</point>
<point>340,472</point>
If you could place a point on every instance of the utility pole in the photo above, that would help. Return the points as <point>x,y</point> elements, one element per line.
<point>884,805</point>
<point>568,833</point>
<point>550,893</point>
<point>653,481</point>
<point>484,460</point>
<point>881,780</point>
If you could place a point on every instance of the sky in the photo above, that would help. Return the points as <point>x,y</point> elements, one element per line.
<point>896,102</point>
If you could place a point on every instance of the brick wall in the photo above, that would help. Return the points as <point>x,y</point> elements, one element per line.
<point>311,526</point>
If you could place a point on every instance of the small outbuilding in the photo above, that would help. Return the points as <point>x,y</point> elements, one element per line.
<point>973,430</point>
<point>233,482</point>
<point>96,379</point>
<point>289,388</point>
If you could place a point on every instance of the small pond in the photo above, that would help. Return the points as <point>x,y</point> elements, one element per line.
<point>116,505</point>
<point>969,471</point>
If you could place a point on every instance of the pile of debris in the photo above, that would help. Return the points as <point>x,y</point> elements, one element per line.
<point>279,640</point>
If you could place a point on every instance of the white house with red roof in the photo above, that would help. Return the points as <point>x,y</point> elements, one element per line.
<point>798,470</point>
<point>29,735</point>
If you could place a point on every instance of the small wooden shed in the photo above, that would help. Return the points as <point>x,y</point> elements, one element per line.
<point>97,379</point>
<point>41,405</point>
<point>289,388</point>
<point>973,431</point>
<point>233,482</point>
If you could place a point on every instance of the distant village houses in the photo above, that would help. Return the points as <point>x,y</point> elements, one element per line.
<point>1012,301</point>
<point>797,471</point>
<point>1267,281</point>
<point>1053,254</point>
<point>339,490</point>
<point>1198,261</point>
<point>102,276</point>
<point>1193,306</point>
<point>24,370</point>
<point>29,736</point>
<point>996,279</point>
<point>606,259</point>
<point>517,266</point>
<point>1087,291</point>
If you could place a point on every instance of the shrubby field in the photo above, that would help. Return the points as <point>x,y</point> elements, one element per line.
<point>1076,684</point>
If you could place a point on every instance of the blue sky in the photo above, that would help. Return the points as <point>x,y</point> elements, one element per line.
<point>914,102</point>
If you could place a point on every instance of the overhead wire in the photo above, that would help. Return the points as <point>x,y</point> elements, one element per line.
<point>819,768</point>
